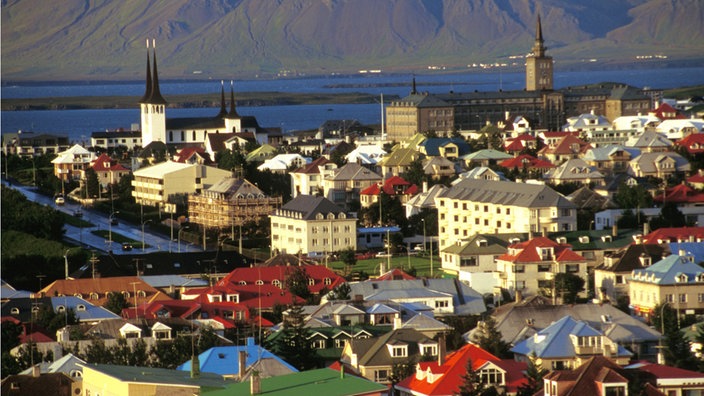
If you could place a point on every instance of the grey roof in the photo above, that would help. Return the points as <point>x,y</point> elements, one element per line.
<point>231,186</point>
<point>424,323</point>
<point>426,199</point>
<point>353,171</point>
<point>646,161</point>
<point>379,308</point>
<point>65,364</point>
<point>309,206</point>
<point>160,281</point>
<point>574,169</point>
<point>465,299</point>
<point>421,100</point>
<point>649,139</point>
<point>604,153</point>
<point>187,123</point>
<point>585,198</point>
<point>506,193</point>
<point>512,321</point>
<point>480,172</point>
<point>373,351</point>
<point>486,154</point>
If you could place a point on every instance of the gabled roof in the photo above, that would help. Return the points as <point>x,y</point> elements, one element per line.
<point>395,185</point>
<point>65,365</point>
<point>30,385</point>
<point>433,379</point>
<point>395,274</point>
<point>313,167</point>
<point>106,164</point>
<point>680,194</point>
<point>506,193</point>
<point>526,161</point>
<point>312,382</point>
<point>604,153</point>
<point>666,112</point>
<point>309,206</point>
<point>486,154</point>
<point>354,172</point>
<point>402,156</point>
<point>432,145</point>
<point>529,252</point>
<point>646,161</point>
<point>224,360</point>
<point>586,198</point>
<point>475,246</point>
<point>555,341</point>
<point>694,143</point>
<point>263,151</point>
<point>153,375</point>
<point>586,379</point>
<point>671,270</point>
<point>674,234</point>
<point>161,169</point>
<point>628,258</point>
<point>649,139</point>
<point>373,351</point>
<point>667,373</point>
<point>187,123</point>
<point>566,145</point>
<point>575,169</point>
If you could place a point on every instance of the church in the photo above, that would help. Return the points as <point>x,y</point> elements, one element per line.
<point>156,127</point>
<point>539,102</point>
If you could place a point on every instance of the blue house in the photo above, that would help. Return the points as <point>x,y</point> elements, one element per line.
<point>240,360</point>
<point>567,344</point>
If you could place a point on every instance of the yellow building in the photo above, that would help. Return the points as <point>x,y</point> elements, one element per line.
<point>171,182</point>
<point>312,225</point>
<point>675,280</point>
<point>474,206</point>
<point>113,380</point>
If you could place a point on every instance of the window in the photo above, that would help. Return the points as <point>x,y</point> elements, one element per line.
<point>381,375</point>
<point>519,268</point>
<point>683,298</point>
<point>340,342</point>
<point>544,267</point>
<point>520,285</point>
<point>399,351</point>
<point>469,262</point>
<point>572,268</point>
<point>318,344</point>
<point>491,376</point>
<point>614,390</point>
<point>441,304</point>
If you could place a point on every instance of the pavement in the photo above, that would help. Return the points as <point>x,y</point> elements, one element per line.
<point>84,237</point>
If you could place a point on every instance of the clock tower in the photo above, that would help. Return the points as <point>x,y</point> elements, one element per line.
<point>538,65</point>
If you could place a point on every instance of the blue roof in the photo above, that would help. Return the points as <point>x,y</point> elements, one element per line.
<point>224,360</point>
<point>666,270</point>
<point>694,249</point>
<point>84,310</point>
<point>554,341</point>
<point>378,230</point>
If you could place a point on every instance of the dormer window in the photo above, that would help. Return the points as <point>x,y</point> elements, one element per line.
<point>400,350</point>
<point>561,240</point>
<point>276,283</point>
<point>681,278</point>
<point>482,243</point>
<point>606,238</point>
<point>243,283</point>
<point>645,260</point>
<point>584,239</point>
<point>80,307</point>
<point>60,309</point>
<point>545,254</point>
<point>14,311</point>
<point>259,282</point>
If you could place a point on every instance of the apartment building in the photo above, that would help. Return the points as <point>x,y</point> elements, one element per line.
<point>486,206</point>
<point>313,225</point>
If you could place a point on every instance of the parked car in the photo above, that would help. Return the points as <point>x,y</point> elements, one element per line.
<point>78,213</point>
<point>126,246</point>
<point>60,200</point>
<point>365,255</point>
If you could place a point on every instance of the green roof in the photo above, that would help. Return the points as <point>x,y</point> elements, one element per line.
<point>596,240</point>
<point>314,382</point>
<point>151,375</point>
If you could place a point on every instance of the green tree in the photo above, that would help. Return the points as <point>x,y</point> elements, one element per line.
<point>568,286</point>
<point>92,183</point>
<point>10,335</point>
<point>534,377</point>
<point>97,352</point>
<point>52,321</point>
<point>415,174</point>
<point>491,340</point>
<point>294,346</point>
<point>632,197</point>
<point>29,355</point>
<point>471,384</point>
<point>297,283</point>
<point>116,303</point>
<point>400,371</point>
<point>670,216</point>
<point>341,292</point>
<point>348,257</point>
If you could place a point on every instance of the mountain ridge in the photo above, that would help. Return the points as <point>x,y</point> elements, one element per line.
<point>105,40</point>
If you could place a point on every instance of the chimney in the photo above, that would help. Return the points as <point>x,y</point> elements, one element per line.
<point>358,298</point>
<point>682,253</point>
<point>398,322</point>
<point>425,186</point>
<point>58,351</point>
<point>36,372</point>
<point>382,268</point>
<point>545,232</point>
<point>614,231</point>
<point>255,386</point>
<point>242,363</point>
<point>519,296</point>
<point>441,349</point>
<point>646,228</point>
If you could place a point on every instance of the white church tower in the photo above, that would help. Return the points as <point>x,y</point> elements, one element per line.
<point>233,121</point>
<point>152,106</point>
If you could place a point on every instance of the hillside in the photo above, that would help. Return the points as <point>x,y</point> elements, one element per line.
<point>105,40</point>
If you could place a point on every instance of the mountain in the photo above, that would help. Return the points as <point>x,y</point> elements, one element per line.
<point>105,40</point>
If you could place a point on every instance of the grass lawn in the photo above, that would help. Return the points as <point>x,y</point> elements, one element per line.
<point>371,266</point>
<point>75,221</point>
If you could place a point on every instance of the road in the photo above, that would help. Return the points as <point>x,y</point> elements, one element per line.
<point>84,237</point>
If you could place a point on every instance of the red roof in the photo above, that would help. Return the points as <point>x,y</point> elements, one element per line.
<point>106,164</point>
<point>674,234</point>
<point>455,366</point>
<point>566,145</point>
<point>526,160</point>
<point>396,274</point>
<point>694,143</point>
<point>529,251</point>
<point>395,185</point>
<point>680,193</point>
<point>667,112</point>
<point>187,153</point>
<point>698,178</point>
<point>666,372</point>
<point>313,166</point>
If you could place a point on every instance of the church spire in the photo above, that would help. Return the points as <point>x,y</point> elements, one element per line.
<point>233,111</point>
<point>148,89</point>
<point>223,109</point>
<point>538,47</point>
<point>413,86</point>
<point>155,95</point>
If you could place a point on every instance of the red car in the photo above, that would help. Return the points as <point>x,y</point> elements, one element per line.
<point>365,256</point>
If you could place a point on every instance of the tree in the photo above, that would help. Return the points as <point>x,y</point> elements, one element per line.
<point>415,174</point>
<point>568,286</point>
<point>534,375</point>
<point>297,283</point>
<point>670,216</point>
<point>341,292</point>
<point>400,371</point>
<point>52,321</point>
<point>116,302</point>
<point>491,340</point>
<point>472,384</point>
<point>676,350</point>
<point>294,346</point>
<point>630,197</point>
<point>92,183</point>
<point>348,256</point>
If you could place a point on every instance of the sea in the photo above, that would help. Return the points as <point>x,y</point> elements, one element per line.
<point>79,124</point>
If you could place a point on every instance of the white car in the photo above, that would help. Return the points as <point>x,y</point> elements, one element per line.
<point>60,200</point>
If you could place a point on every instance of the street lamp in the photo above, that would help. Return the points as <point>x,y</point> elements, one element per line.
<point>66,262</point>
<point>143,223</point>
<point>179,237</point>
<point>110,219</point>
<point>424,243</point>
<point>661,354</point>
